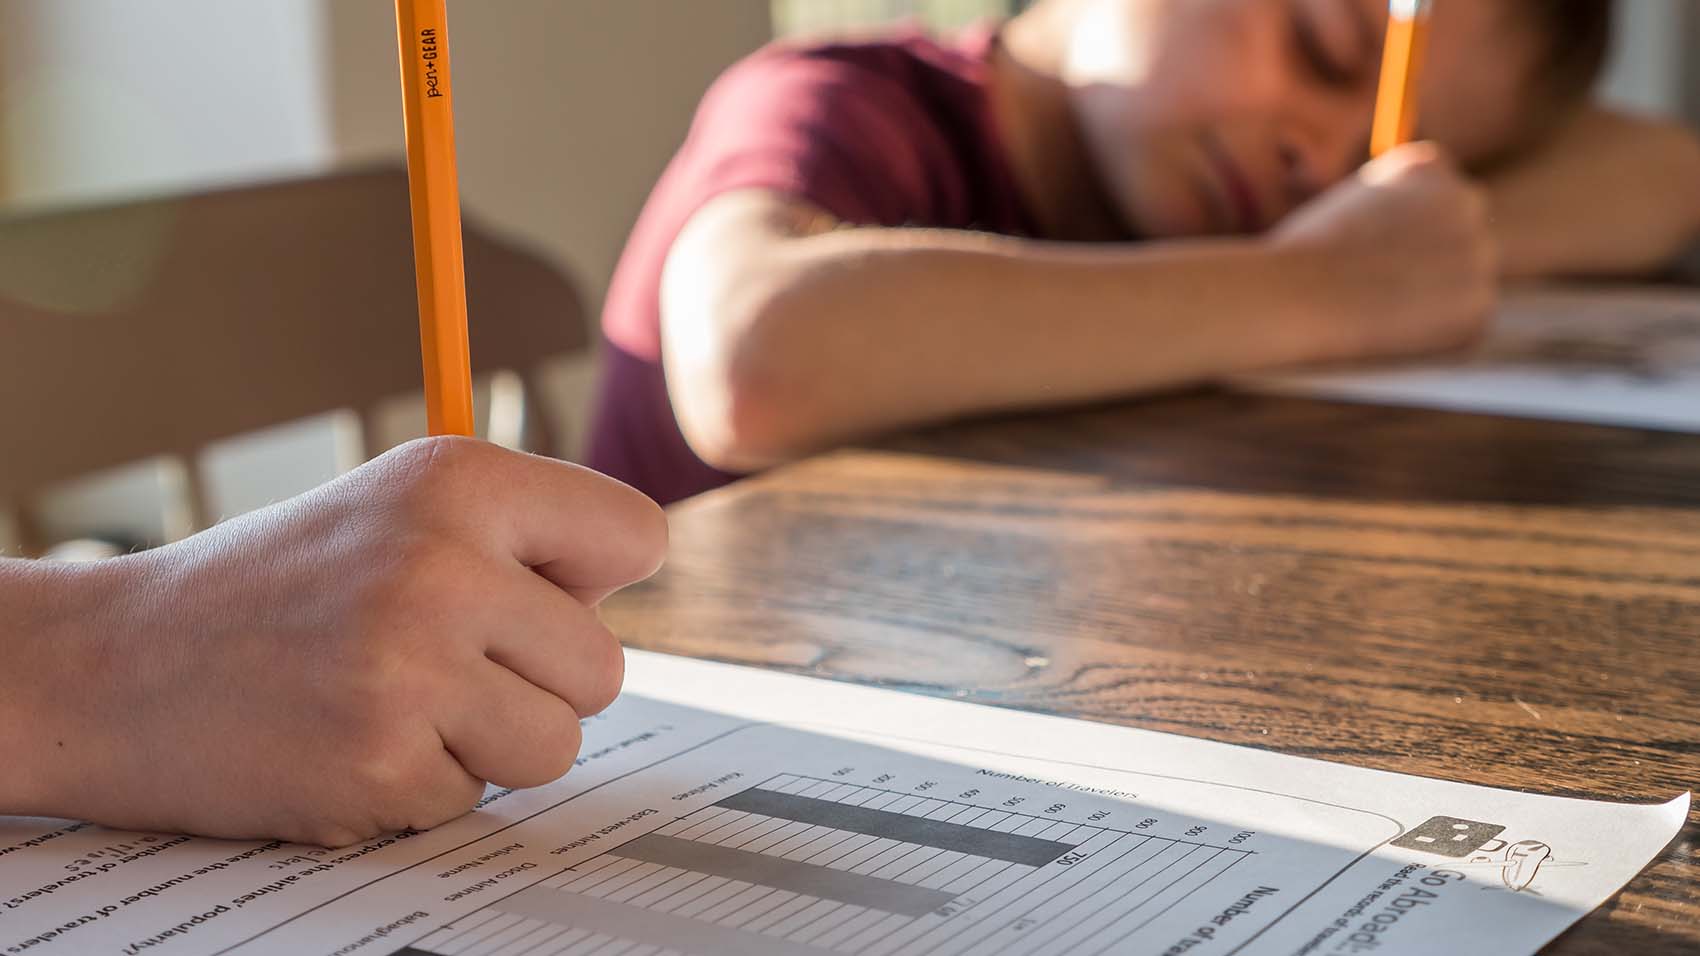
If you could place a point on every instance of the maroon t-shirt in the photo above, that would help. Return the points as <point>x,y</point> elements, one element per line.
<point>896,131</point>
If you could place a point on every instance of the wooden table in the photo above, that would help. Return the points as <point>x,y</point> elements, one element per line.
<point>1503,602</point>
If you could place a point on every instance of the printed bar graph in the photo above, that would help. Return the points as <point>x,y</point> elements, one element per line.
<point>767,870</point>
<point>800,865</point>
<point>897,826</point>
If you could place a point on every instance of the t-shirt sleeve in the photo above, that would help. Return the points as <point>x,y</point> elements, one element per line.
<point>836,130</point>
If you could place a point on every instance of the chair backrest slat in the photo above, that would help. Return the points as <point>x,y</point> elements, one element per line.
<point>181,322</point>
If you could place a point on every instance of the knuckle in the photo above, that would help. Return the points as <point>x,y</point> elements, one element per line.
<point>646,521</point>
<point>436,800</point>
<point>428,467</point>
<point>661,530</point>
<point>554,760</point>
<point>605,662</point>
<point>334,835</point>
<point>380,770</point>
<point>1421,169</point>
<point>1428,169</point>
<point>651,534</point>
<point>449,800</point>
<point>551,743</point>
<point>1438,159</point>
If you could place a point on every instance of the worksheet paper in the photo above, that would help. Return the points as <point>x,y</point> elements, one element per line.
<point>1612,356</point>
<point>731,812</point>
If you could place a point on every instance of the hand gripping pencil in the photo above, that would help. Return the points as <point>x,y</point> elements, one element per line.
<point>422,31</point>
<point>1401,72</point>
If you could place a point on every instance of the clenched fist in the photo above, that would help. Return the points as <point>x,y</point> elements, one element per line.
<point>363,658</point>
<point>1404,254</point>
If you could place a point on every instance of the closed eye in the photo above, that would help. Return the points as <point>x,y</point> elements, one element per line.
<point>1315,55</point>
<point>1336,42</point>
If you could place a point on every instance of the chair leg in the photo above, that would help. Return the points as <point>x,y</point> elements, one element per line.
<point>372,442</point>
<point>541,432</point>
<point>197,503</point>
<point>26,531</point>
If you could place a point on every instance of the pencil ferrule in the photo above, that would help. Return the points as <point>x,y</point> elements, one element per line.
<point>1409,9</point>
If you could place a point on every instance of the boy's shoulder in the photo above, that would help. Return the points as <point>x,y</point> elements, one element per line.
<point>905,59</point>
<point>906,44</point>
<point>893,128</point>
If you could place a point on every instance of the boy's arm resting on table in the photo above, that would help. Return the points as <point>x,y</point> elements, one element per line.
<point>783,334</point>
<point>1608,195</point>
<point>778,343</point>
<point>361,659</point>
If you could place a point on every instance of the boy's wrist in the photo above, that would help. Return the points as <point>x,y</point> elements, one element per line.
<point>1310,305</point>
<point>53,620</point>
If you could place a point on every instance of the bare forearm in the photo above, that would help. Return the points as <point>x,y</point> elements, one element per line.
<point>876,329</point>
<point>40,605</point>
<point>1610,195</point>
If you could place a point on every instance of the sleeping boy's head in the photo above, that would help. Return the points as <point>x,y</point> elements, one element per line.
<point>1220,116</point>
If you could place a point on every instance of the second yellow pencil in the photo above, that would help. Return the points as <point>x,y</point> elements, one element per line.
<point>1401,72</point>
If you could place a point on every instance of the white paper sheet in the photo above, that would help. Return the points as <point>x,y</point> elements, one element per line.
<point>1623,356</point>
<point>732,812</point>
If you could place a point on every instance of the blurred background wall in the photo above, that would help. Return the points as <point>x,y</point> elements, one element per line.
<point>567,111</point>
<point>568,108</point>
<point>1654,68</point>
<point>107,99</point>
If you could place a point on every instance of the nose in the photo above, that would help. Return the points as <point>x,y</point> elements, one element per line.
<point>1325,138</point>
<point>1296,176</point>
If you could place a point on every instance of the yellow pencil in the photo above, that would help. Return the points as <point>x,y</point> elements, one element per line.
<point>1401,73</point>
<point>434,186</point>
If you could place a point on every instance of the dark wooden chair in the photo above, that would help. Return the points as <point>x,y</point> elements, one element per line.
<point>159,327</point>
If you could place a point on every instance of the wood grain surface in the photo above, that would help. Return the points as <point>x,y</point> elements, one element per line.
<point>1502,602</point>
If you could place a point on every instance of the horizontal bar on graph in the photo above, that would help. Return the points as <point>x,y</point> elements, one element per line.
<point>804,879</point>
<point>635,924</point>
<point>974,841</point>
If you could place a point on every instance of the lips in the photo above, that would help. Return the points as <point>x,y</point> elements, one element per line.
<point>1239,198</point>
